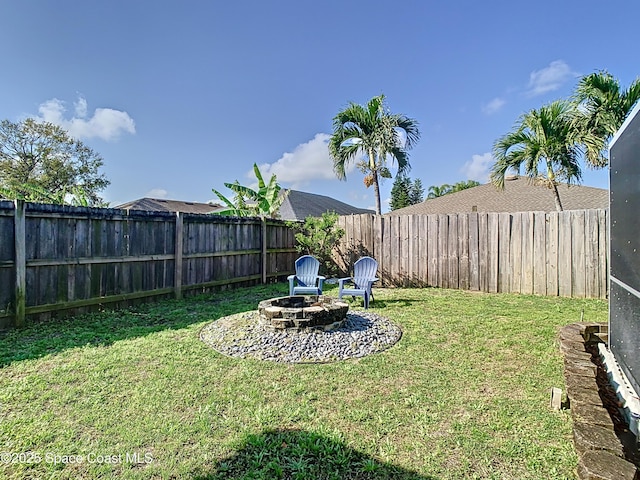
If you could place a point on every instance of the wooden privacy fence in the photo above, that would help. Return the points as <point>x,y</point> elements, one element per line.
<point>56,258</point>
<point>556,253</point>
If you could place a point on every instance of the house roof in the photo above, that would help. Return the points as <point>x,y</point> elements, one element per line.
<point>163,205</point>
<point>520,194</point>
<point>299,205</point>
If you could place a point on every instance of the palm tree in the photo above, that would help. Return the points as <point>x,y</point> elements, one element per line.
<point>265,202</point>
<point>436,191</point>
<point>603,106</point>
<point>463,185</point>
<point>541,138</point>
<point>374,133</point>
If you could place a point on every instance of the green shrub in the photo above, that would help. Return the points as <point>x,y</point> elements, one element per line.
<point>319,236</point>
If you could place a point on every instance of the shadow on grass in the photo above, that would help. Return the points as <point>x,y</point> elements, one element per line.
<point>298,454</point>
<point>385,303</point>
<point>106,327</point>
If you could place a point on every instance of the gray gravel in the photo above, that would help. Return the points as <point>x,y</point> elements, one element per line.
<point>242,336</point>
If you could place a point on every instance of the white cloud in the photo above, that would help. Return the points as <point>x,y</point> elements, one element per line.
<point>81,107</point>
<point>493,106</point>
<point>106,123</point>
<point>549,78</point>
<point>308,162</point>
<point>478,167</point>
<point>157,193</point>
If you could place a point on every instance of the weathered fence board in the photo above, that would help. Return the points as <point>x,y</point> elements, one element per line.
<point>603,253</point>
<point>404,234</point>
<point>516,252</point>
<point>552,254</point>
<point>564,254</point>
<point>443,251</point>
<point>493,251</point>
<point>555,253</point>
<point>453,260</point>
<point>483,247</point>
<point>463,249</point>
<point>527,252</point>
<point>539,253</point>
<point>591,254</point>
<point>578,249</point>
<point>504,252</point>
<point>412,252</point>
<point>474,253</point>
<point>432,251</point>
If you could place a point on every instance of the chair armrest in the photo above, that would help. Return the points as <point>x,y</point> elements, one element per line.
<point>292,281</point>
<point>370,283</point>
<point>342,281</point>
<point>321,280</point>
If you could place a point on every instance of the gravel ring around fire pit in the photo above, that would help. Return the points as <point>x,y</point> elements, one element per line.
<point>242,336</point>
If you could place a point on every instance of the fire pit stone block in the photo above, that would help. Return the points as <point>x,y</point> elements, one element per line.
<point>303,312</point>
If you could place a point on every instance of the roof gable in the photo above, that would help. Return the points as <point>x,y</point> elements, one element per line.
<point>164,205</point>
<point>520,194</point>
<point>300,205</point>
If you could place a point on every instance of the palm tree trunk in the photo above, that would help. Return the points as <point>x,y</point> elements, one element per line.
<point>376,185</point>
<point>556,197</point>
<point>551,178</point>
<point>376,190</point>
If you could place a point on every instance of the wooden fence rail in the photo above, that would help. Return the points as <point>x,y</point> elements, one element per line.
<point>556,254</point>
<point>56,258</point>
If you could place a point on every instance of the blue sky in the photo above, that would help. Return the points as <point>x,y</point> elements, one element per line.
<point>181,97</point>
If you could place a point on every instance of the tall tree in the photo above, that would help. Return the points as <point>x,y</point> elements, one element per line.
<point>372,132</point>
<point>264,202</point>
<point>541,142</point>
<point>405,192</point>
<point>400,192</point>
<point>416,193</point>
<point>40,156</point>
<point>603,106</point>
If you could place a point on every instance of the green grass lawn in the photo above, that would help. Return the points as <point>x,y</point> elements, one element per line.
<point>136,394</point>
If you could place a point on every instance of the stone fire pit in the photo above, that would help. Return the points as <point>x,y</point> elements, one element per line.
<point>301,329</point>
<point>303,312</point>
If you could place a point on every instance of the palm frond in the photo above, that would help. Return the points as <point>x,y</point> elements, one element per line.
<point>542,138</point>
<point>371,132</point>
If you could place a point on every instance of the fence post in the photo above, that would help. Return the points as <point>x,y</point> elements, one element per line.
<point>264,249</point>
<point>20,262</point>
<point>178,256</point>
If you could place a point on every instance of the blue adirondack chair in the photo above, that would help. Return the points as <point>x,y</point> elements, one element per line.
<point>306,281</point>
<point>364,275</point>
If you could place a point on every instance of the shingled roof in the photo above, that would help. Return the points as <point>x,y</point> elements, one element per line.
<point>299,205</point>
<point>520,194</point>
<point>163,205</point>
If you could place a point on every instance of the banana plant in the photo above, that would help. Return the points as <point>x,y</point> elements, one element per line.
<point>264,202</point>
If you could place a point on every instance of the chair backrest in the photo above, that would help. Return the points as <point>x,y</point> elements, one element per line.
<point>364,270</point>
<point>307,270</point>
